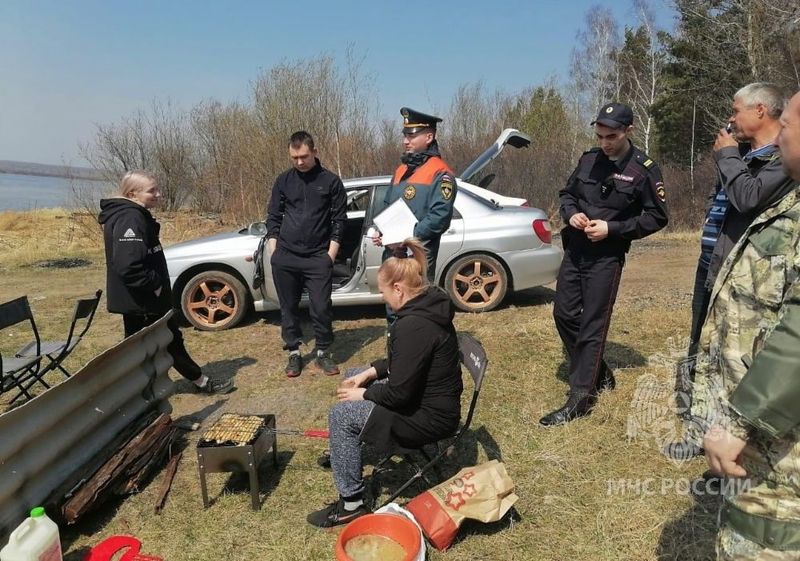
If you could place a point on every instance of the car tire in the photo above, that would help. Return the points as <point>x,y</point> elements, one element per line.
<point>476,283</point>
<point>214,300</point>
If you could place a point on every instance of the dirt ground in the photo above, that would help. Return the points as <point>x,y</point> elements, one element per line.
<point>596,489</point>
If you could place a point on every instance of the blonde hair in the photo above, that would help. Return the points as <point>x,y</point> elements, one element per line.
<point>134,181</point>
<point>409,272</point>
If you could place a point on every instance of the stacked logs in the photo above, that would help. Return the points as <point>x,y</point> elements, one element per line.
<point>139,453</point>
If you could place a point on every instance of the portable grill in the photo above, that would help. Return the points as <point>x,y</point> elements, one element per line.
<point>237,443</point>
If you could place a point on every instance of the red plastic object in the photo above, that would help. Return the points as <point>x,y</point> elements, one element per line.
<point>316,433</point>
<point>108,548</point>
<point>393,526</point>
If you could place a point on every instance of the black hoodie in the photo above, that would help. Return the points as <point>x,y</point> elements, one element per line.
<point>135,264</point>
<point>421,400</point>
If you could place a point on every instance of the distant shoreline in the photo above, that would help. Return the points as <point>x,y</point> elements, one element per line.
<point>46,170</point>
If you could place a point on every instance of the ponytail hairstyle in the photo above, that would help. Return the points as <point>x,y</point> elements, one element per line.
<point>134,181</point>
<point>411,272</point>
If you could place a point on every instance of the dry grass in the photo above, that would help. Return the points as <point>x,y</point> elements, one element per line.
<point>563,476</point>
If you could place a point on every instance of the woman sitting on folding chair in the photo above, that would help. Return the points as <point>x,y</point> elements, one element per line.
<point>411,398</point>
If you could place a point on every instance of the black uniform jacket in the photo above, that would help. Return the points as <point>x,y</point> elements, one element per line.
<point>421,400</point>
<point>628,194</point>
<point>307,210</point>
<point>135,263</point>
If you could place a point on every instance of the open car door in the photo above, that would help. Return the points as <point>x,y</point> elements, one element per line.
<point>513,137</point>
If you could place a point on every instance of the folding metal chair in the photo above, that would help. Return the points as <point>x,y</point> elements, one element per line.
<point>474,360</point>
<point>57,351</point>
<point>20,372</point>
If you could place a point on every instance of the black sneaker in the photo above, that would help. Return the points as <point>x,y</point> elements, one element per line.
<point>295,366</point>
<point>217,387</point>
<point>324,362</point>
<point>335,514</point>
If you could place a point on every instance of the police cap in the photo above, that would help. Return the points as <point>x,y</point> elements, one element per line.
<point>614,115</point>
<point>414,121</point>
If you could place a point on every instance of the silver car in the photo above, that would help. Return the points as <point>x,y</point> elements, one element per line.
<point>495,244</point>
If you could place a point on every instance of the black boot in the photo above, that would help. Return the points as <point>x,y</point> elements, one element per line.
<point>605,381</point>
<point>575,407</point>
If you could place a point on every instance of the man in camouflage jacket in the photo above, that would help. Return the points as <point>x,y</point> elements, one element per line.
<point>747,385</point>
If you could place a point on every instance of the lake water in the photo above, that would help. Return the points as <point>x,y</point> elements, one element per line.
<point>28,192</point>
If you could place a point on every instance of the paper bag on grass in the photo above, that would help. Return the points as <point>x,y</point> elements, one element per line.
<point>483,492</point>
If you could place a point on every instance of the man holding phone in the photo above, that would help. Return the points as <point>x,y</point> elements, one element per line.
<point>750,179</point>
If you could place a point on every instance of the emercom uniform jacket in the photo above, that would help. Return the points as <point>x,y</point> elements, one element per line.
<point>748,370</point>
<point>429,191</point>
<point>751,187</point>
<point>135,263</point>
<point>628,194</point>
<point>307,210</point>
<point>420,402</point>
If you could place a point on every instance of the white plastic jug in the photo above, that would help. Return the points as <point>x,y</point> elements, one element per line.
<point>36,539</point>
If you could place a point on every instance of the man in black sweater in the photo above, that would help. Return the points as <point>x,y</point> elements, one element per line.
<point>305,222</point>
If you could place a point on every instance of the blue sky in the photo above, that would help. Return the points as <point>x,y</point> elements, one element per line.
<point>65,66</point>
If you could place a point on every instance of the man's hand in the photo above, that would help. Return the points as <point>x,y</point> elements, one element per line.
<point>350,394</point>
<point>724,138</point>
<point>332,256</point>
<point>597,230</point>
<point>272,244</point>
<point>723,451</point>
<point>579,221</point>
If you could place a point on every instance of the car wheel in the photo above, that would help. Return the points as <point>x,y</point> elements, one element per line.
<point>476,283</point>
<point>213,301</point>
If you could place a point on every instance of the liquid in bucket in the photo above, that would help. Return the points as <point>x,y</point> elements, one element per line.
<point>36,539</point>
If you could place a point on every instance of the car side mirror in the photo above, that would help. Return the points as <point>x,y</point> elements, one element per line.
<point>257,229</point>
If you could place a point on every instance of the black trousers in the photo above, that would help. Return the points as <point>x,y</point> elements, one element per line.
<point>700,300</point>
<point>292,273</point>
<point>181,360</point>
<point>585,294</point>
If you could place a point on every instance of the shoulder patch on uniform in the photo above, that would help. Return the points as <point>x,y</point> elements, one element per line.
<point>447,186</point>
<point>647,163</point>
<point>660,192</point>
<point>409,192</point>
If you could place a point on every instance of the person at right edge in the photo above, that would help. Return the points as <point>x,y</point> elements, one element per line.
<point>750,179</point>
<point>614,196</point>
<point>747,380</point>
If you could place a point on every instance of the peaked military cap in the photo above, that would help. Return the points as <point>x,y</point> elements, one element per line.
<point>414,121</point>
<point>614,115</point>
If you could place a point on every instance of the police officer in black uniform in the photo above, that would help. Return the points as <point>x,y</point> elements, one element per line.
<point>306,217</point>
<point>425,182</point>
<point>615,195</point>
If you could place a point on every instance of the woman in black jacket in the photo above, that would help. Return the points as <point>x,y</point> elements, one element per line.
<point>410,398</point>
<point>137,280</point>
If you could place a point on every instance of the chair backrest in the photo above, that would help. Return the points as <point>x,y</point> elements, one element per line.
<point>84,310</point>
<point>16,311</point>
<point>474,359</point>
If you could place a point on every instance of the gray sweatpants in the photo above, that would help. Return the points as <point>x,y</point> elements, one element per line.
<point>345,423</point>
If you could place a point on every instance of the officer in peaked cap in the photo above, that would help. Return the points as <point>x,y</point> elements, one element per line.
<point>614,196</point>
<point>425,182</point>
<point>414,121</point>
